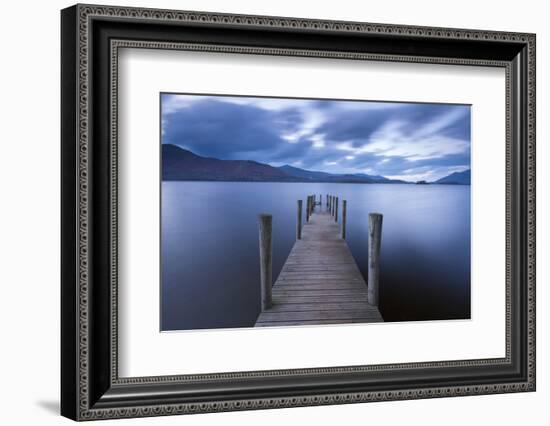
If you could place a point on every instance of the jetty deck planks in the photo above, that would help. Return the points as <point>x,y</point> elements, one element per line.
<point>320,282</point>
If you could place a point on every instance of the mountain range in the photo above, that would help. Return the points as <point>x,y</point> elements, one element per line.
<point>457,178</point>
<point>181,164</point>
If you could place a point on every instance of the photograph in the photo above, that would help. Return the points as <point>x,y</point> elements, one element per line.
<point>264,209</point>
<point>280,211</point>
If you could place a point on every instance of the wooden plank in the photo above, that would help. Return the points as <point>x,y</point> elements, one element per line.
<point>314,299</point>
<point>306,293</point>
<point>316,268</point>
<point>319,315</point>
<point>315,322</point>
<point>313,306</point>
<point>321,286</point>
<point>333,280</point>
<point>319,262</point>
<point>320,282</point>
<point>326,283</point>
<point>352,275</point>
<point>309,279</point>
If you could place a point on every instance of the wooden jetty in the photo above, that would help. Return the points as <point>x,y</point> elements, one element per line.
<point>320,282</point>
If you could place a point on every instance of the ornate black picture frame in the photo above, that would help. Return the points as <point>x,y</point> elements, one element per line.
<point>91,386</point>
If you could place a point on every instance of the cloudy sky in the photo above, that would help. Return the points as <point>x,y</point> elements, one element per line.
<point>408,141</point>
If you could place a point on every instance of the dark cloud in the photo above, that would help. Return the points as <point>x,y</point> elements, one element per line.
<point>353,126</point>
<point>311,133</point>
<point>461,128</point>
<point>223,130</point>
<point>357,126</point>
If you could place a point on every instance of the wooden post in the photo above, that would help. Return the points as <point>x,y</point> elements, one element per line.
<point>307,209</point>
<point>299,221</point>
<point>336,210</point>
<point>266,260</point>
<point>375,238</point>
<point>320,201</point>
<point>331,204</point>
<point>327,201</point>
<point>344,208</point>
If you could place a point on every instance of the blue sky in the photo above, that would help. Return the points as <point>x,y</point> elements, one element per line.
<point>409,141</point>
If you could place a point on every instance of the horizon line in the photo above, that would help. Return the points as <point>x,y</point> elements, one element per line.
<point>307,170</point>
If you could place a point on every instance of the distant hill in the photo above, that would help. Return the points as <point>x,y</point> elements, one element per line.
<point>313,176</point>
<point>457,178</point>
<point>380,179</point>
<point>181,164</point>
<point>304,174</point>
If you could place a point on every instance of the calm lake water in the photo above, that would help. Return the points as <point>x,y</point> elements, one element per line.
<point>210,259</point>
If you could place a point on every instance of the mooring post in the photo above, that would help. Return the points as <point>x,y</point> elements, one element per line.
<point>321,201</point>
<point>331,204</point>
<point>307,209</point>
<point>344,208</point>
<point>299,221</point>
<point>336,210</point>
<point>266,260</point>
<point>375,238</point>
<point>327,201</point>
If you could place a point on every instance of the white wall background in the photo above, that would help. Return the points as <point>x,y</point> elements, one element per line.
<point>29,211</point>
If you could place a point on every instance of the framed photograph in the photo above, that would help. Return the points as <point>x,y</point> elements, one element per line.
<point>263,212</point>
